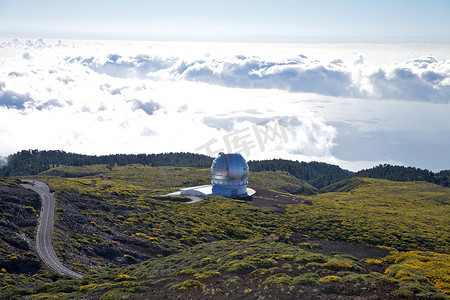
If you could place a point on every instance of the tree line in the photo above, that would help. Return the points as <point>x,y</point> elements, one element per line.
<point>399,173</point>
<point>318,174</point>
<point>321,174</point>
<point>31,162</point>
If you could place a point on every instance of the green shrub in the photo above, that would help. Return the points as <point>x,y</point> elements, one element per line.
<point>117,294</point>
<point>266,263</point>
<point>305,245</point>
<point>402,293</point>
<point>206,261</point>
<point>129,258</point>
<point>306,279</point>
<point>432,296</point>
<point>237,255</point>
<point>93,286</point>
<point>241,267</point>
<point>185,272</point>
<point>313,265</point>
<point>286,257</point>
<point>8,215</point>
<point>9,280</point>
<point>346,257</point>
<point>264,271</point>
<point>310,257</point>
<point>360,278</point>
<point>325,272</point>
<point>287,267</point>
<point>419,289</point>
<point>278,279</point>
<point>207,274</point>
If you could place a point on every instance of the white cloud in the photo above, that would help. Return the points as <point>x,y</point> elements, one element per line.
<point>13,100</point>
<point>113,97</point>
<point>421,79</point>
<point>405,84</point>
<point>149,107</point>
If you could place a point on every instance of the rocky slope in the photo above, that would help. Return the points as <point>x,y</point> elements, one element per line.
<point>129,241</point>
<point>19,209</point>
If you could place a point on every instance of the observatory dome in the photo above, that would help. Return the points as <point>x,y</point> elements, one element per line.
<point>229,175</point>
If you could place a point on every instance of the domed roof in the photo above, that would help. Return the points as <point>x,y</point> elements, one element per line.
<point>229,167</point>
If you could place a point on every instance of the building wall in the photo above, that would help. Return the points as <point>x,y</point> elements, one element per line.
<point>229,191</point>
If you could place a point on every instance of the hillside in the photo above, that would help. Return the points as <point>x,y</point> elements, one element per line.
<point>130,241</point>
<point>316,174</point>
<point>18,221</point>
<point>399,173</point>
<point>32,162</point>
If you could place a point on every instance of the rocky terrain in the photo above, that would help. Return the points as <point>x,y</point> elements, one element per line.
<point>85,233</point>
<point>130,242</point>
<point>19,212</point>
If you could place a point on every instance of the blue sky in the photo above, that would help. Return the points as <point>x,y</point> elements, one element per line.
<point>262,20</point>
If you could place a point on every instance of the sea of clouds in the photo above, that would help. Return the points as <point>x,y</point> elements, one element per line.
<point>354,105</point>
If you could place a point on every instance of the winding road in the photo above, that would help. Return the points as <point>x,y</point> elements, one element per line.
<point>45,229</point>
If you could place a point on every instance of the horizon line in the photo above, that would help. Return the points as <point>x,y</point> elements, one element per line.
<point>250,39</point>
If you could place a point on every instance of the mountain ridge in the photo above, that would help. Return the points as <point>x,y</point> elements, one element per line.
<point>317,174</point>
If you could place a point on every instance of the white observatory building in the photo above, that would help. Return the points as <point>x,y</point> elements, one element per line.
<point>229,175</point>
<point>229,178</point>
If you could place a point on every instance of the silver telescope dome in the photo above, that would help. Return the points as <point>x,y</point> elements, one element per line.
<point>229,174</point>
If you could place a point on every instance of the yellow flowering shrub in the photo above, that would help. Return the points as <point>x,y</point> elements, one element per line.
<point>189,284</point>
<point>185,272</point>
<point>123,277</point>
<point>331,278</point>
<point>421,266</point>
<point>373,261</point>
<point>340,264</point>
<point>207,274</point>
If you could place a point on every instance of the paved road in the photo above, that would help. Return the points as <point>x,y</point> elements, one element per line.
<point>194,199</point>
<point>45,229</point>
